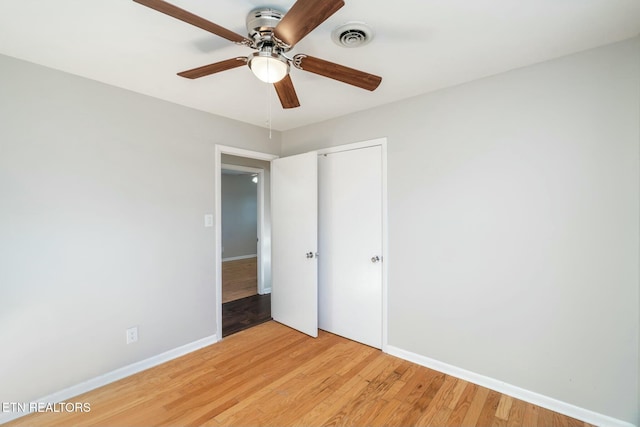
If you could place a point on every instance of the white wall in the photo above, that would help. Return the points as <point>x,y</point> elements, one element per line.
<point>102,197</point>
<point>513,210</point>
<point>239,215</point>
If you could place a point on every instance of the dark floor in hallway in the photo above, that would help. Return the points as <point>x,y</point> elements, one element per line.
<point>244,313</point>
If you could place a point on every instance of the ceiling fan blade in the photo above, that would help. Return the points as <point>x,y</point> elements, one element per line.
<point>337,72</point>
<point>287,93</point>
<point>190,18</point>
<point>303,17</point>
<point>207,70</point>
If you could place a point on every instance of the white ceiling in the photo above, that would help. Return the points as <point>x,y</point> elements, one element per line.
<point>419,46</point>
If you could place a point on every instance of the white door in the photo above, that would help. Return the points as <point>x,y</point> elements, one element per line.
<point>294,242</point>
<point>350,263</point>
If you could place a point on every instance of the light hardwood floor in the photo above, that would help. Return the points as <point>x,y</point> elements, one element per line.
<point>239,279</point>
<point>271,375</point>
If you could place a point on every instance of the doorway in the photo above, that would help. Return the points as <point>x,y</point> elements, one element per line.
<point>308,254</point>
<point>244,300</point>
<point>240,312</point>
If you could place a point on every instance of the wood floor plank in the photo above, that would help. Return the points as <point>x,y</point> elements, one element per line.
<point>487,415</point>
<point>416,384</point>
<point>420,405</point>
<point>438,410</point>
<point>397,418</point>
<point>545,417</point>
<point>394,390</point>
<point>299,393</point>
<point>560,420</point>
<point>516,415</point>
<point>291,364</point>
<point>451,400</point>
<point>530,415</point>
<point>384,413</point>
<point>366,384</point>
<point>366,418</point>
<point>273,375</point>
<point>329,412</point>
<point>456,393</point>
<point>462,407</point>
<point>441,417</point>
<point>304,402</point>
<point>243,375</point>
<point>360,410</point>
<point>478,402</point>
<point>504,407</point>
<point>577,423</point>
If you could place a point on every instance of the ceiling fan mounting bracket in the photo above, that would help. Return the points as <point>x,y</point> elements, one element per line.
<point>261,23</point>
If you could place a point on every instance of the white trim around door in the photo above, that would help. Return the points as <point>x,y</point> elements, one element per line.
<point>260,222</point>
<point>264,242</point>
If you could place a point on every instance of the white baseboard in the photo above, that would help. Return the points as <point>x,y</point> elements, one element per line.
<point>118,374</point>
<point>235,258</point>
<point>510,390</point>
<point>265,291</point>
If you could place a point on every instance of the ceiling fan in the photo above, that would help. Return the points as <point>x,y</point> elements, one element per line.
<point>273,33</point>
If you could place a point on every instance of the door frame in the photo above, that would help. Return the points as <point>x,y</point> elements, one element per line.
<point>382,142</point>
<point>264,241</point>
<point>259,218</point>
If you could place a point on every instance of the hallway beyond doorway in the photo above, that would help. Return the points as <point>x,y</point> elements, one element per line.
<point>239,279</point>
<point>242,307</point>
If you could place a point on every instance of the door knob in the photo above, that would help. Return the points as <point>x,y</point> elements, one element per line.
<point>375,259</point>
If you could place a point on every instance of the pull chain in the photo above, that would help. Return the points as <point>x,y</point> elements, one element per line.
<point>270,95</point>
<point>269,90</point>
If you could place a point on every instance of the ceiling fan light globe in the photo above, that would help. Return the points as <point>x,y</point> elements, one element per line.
<point>269,69</point>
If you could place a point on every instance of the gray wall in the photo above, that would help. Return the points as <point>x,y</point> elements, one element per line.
<point>102,198</point>
<point>513,224</point>
<point>239,216</point>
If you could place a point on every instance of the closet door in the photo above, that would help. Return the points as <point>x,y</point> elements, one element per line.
<point>294,242</point>
<point>350,242</point>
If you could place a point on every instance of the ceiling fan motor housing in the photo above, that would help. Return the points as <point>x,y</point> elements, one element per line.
<point>261,22</point>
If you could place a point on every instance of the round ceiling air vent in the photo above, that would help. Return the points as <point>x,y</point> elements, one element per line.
<point>352,34</point>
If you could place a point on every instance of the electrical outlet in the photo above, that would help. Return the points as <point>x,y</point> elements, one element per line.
<point>132,335</point>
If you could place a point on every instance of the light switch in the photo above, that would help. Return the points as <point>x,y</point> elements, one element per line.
<point>208,220</point>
